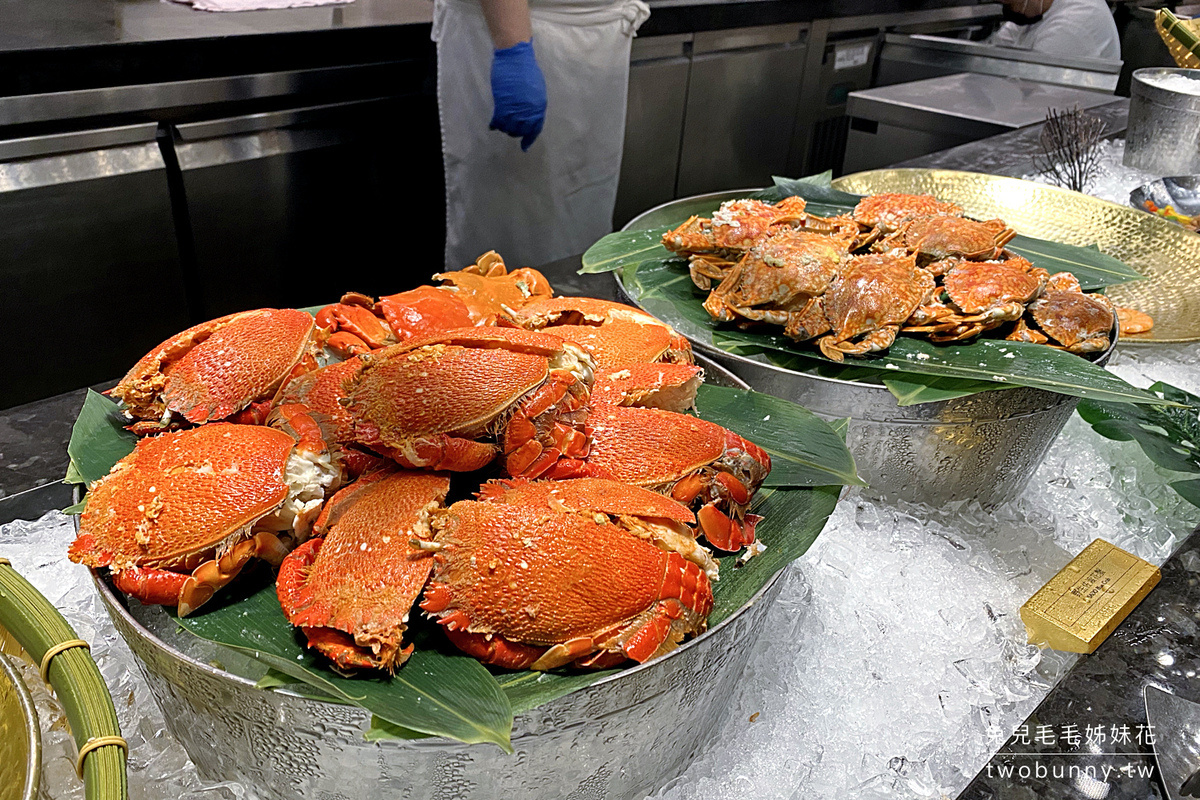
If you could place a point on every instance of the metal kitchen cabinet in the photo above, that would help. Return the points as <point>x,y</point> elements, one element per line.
<point>294,207</point>
<point>658,84</point>
<point>89,270</point>
<point>741,105</point>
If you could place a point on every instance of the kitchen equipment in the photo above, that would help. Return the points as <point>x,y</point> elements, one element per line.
<point>1176,725</point>
<point>623,737</point>
<point>908,57</point>
<point>982,447</point>
<point>906,120</point>
<point>20,736</point>
<point>1163,137</point>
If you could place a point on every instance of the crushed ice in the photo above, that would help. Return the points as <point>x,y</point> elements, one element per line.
<point>896,662</point>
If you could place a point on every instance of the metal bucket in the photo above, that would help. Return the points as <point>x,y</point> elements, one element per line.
<point>20,736</point>
<point>623,737</point>
<point>982,447</point>
<point>1163,137</point>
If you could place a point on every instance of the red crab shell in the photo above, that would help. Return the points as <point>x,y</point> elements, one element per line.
<point>690,459</point>
<point>324,391</point>
<point>181,515</point>
<point>491,293</point>
<point>458,400</point>
<point>216,369</point>
<point>351,590</point>
<point>666,523</point>
<point>528,588</point>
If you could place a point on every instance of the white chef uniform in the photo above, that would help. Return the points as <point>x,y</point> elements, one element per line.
<point>556,199</point>
<point>1081,28</point>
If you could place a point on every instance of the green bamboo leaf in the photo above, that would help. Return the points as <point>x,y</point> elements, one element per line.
<point>1189,490</point>
<point>665,290</point>
<point>438,691</point>
<point>1094,269</point>
<point>804,449</point>
<point>73,475</point>
<point>792,520</point>
<point>76,508</point>
<point>382,729</point>
<point>816,190</point>
<point>616,250</point>
<point>1170,436</point>
<point>98,439</point>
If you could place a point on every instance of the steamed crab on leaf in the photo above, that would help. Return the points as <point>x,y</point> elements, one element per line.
<point>526,588</point>
<point>695,462</point>
<point>461,399</point>
<point>639,360</point>
<point>870,299</point>
<point>181,515</point>
<point>218,369</point>
<point>666,523</point>
<point>350,588</point>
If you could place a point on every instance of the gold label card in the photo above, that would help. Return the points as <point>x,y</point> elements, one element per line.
<point>1080,606</point>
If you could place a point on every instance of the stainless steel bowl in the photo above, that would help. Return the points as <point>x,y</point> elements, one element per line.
<point>1181,193</point>
<point>20,736</point>
<point>1163,137</point>
<point>623,737</point>
<point>983,447</point>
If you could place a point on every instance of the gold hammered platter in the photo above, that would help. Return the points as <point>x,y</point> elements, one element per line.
<point>1165,253</point>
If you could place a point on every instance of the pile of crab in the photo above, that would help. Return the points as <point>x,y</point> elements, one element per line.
<point>899,263</point>
<point>329,446</point>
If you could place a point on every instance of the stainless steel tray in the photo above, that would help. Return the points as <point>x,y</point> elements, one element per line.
<point>20,735</point>
<point>623,737</point>
<point>983,447</point>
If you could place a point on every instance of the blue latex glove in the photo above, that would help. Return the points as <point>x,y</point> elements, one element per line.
<point>519,93</point>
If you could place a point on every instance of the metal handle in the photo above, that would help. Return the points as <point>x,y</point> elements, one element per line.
<point>20,109</point>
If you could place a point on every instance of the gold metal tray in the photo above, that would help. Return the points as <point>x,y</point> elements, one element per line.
<point>1166,254</point>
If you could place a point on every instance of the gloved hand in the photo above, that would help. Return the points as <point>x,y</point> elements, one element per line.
<point>519,93</point>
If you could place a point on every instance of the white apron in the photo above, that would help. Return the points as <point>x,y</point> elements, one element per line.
<point>556,199</point>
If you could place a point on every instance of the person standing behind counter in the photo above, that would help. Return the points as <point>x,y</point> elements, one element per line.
<point>554,76</point>
<point>1080,28</point>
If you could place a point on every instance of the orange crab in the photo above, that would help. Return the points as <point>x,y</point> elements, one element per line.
<point>352,328</point>
<point>982,295</point>
<point>872,297</point>
<point>490,292</point>
<point>713,244</point>
<point>639,360</point>
<point>457,400</point>
<point>780,281</point>
<point>1068,320</point>
<point>689,459</point>
<point>217,369</point>
<point>941,237</point>
<point>323,392</point>
<point>889,211</point>
<point>350,589</point>
<point>528,588</point>
<point>660,520</point>
<point>180,516</point>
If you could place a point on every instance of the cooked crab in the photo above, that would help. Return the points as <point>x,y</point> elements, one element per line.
<point>981,295</point>
<point>868,302</point>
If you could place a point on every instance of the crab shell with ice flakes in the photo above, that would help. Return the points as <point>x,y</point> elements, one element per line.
<point>182,514</point>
